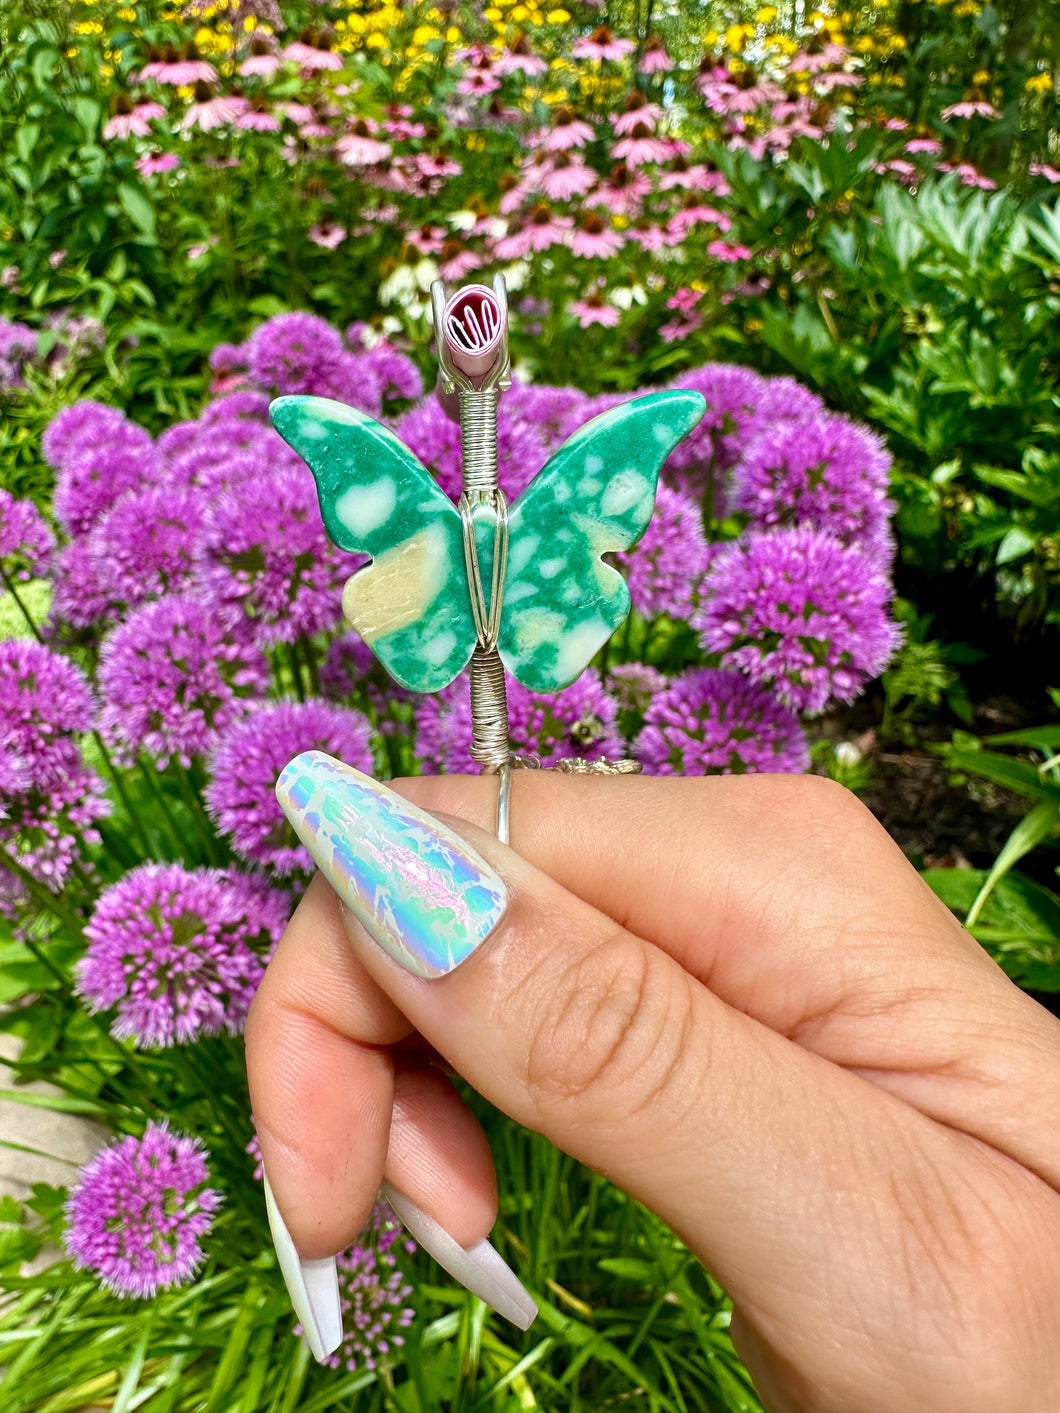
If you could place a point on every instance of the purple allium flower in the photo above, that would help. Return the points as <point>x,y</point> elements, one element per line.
<point>578,721</point>
<point>248,761</point>
<point>435,439</point>
<point>394,372</point>
<point>222,454</point>
<point>579,413</point>
<point>267,562</point>
<point>79,598</point>
<point>175,440</point>
<point>823,473</point>
<point>26,543</point>
<point>138,1211</point>
<point>374,1294</point>
<point>784,400</point>
<point>293,353</point>
<point>79,428</point>
<point>179,952</point>
<point>18,344</point>
<point>665,569</point>
<point>174,679</point>
<point>228,358</point>
<point>709,722</point>
<point>353,379</point>
<point>236,406</point>
<point>634,685</point>
<point>549,410</point>
<point>798,611</point>
<point>93,476</point>
<point>145,545</point>
<point>44,699</point>
<point>732,395</point>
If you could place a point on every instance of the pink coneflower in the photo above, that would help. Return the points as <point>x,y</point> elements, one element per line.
<point>685,299</point>
<point>652,237</point>
<point>300,113</point>
<point>693,211</point>
<point>602,44</point>
<point>457,261</point>
<point>728,251</point>
<point>513,194</point>
<point>655,59</point>
<point>624,191</point>
<point>428,239</point>
<point>741,93</point>
<point>312,52</point>
<point>967,174</point>
<point>210,111</point>
<point>895,125</point>
<point>153,164</point>
<point>567,131</point>
<point>316,129</point>
<point>544,228</point>
<point>479,78</point>
<point>520,58</point>
<point>594,309</point>
<point>57,258</point>
<point>595,239</point>
<point>257,118</point>
<point>973,105</point>
<point>837,78</point>
<point>181,68</point>
<point>327,234</point>
<point>436,164</point>
<point>401,129</point>
<point>130,121</point>
<point>819,54</point>
<point>358,148</point>
<point>566,176</point>
<point>636,109</point>
<point>930,145</point>
<point>699,176</point>
<point>681,327</point>
<point>261,62</point>
<point>641,146</point>
<point>1043,169</point>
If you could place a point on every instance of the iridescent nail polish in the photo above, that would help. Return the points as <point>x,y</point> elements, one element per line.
<point>425,896</point>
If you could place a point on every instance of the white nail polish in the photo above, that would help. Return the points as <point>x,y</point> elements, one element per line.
<point>479,1268</point>
<point>312,1285</point>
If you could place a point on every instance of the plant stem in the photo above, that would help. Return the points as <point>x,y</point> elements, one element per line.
<point>121,793</point>
<point>149,775</point>
<point>295,670</point>
<point>44,896</point>
<point>9,585</point>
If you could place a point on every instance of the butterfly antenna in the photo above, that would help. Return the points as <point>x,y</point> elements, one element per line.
<point>472,334</point>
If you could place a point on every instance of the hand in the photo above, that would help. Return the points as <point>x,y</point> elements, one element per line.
<point>736,998</point>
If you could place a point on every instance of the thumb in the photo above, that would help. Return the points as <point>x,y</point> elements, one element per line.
<point>581,1030</point>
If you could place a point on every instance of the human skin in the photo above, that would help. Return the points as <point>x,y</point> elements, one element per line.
<point>735,997</point>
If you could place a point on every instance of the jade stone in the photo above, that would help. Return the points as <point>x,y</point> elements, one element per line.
<point>412,604</point>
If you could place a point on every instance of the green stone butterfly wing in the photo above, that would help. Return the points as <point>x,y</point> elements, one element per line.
<point>594,496</point>
<point>411,604</point>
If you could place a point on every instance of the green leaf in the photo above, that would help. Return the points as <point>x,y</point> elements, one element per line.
<point>628,1268</point>
<point>1027,835</point>
<point>26,139</point>
<point>137,206</point>
<point>1016,775</point>
<point>1015,545</point>
<point>1019,926</point>
<point>44,64</point>
<point>88,114</point>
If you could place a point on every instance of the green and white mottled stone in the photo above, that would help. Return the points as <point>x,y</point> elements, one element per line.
<point>411,604</point>
<point>561,602</point>
<point>595,496</point>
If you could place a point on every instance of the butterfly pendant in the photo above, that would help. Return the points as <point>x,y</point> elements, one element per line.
<point>412,603</point>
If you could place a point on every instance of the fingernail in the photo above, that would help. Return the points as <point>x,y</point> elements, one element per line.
<point>312,1285</point>
<point>414,885</point>
<point>479,1268</point>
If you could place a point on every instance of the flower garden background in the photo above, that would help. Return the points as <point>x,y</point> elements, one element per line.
<point>841,226</point>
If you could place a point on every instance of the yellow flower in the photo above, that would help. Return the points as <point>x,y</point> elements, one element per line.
<point>476,142</point>
<point>88,27</point>
<point>967,7</point>
<point>620,222</point>
<point>493,15</point>
<point>896,41</point>
<point>1040,83</point>
<point>897,81</point>
<point>734,38</point>
<point>554,96</point>
<point>128,14</point>
<point>452,35</point>
<point>250,23</point>
<point>766,15</point>
<point>558,17</point>
<point>981,76</point>
<point>754,325</point>
<point>864,44</point>
<point>520,14</point>
<point>423,34</point>
<point>105,70</point>
<point>376,41</point>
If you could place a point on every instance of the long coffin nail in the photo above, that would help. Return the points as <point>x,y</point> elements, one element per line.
<point>312,1285</point>
<point>414,885</point>
<point>479,1268</point>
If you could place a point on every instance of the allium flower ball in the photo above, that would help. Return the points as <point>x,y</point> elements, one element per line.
<point>44,698</point>
<point>293,353</point>
<point>79,597</point>
<point>145,545</point>
<point>79,428</point>
<point>174,678</point>
<point>139,1210</point>
<point>97,472</point>
<point>267,562</point>
<point>578,721</point>
<point>709,722</point>
<point>26,543</point>
<point>179,952</point>
<point>732,396</point>
<point>248,761</point>
<point>547,409</point>
<point>664,570</point>
<point>374,1294</point>
<point>824,473</point>
<point>797,611</point>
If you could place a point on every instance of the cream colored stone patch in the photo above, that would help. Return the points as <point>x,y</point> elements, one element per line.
<point>398,587</point>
